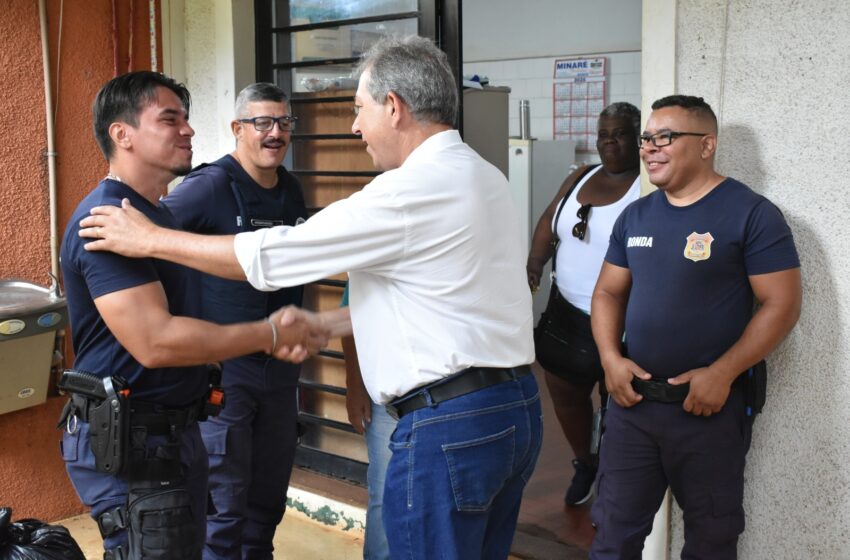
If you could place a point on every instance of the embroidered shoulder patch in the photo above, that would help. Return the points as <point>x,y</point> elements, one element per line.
<point>698,246</point>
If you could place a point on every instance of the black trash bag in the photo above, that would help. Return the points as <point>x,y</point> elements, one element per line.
<point>31,539</point>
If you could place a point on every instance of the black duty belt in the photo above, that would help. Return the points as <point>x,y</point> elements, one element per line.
<point>459,384</point>
<point>158,419</point>
<point>659,390</point>
<point>161,420</point>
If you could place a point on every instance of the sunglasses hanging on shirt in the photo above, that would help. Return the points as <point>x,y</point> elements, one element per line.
<point>580,229</point>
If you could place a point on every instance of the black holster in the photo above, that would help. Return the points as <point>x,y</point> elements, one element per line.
<point>103,403</point>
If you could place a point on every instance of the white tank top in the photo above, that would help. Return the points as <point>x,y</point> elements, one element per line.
<point>579,262</point>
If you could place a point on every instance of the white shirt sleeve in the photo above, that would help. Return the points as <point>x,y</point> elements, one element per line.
<point>366,231</point>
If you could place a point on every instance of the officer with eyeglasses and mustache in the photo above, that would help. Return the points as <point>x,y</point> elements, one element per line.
<point>251,444</point>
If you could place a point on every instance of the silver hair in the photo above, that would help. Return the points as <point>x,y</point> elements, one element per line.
<point>261,91</point>
<point>623,110</point>
<point>418,72</point>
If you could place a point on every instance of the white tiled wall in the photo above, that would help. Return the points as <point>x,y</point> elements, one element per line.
<point>531,78</point>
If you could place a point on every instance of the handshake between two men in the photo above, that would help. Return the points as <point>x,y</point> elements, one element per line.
<point>297,333</point>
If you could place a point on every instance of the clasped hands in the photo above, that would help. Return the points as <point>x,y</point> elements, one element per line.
<point>300,334</point>
<point>707,395</point>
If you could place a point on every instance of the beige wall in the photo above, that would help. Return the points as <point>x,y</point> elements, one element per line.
<point>777,75</point>
<point>212,45</point>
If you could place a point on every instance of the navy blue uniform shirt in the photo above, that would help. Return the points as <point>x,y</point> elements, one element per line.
<point>691,298</point>
<point>89,275</point>
<point>205,202</point>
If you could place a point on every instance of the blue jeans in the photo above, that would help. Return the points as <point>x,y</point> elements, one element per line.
<point>457,473</point>
<point>378,433</point>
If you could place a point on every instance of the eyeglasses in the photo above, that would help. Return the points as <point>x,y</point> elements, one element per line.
<point>661,139</point>
<point>580,229</point>
<point>285,123</point>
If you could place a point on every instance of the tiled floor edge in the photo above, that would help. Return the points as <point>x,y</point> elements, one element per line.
<point>327,511</point>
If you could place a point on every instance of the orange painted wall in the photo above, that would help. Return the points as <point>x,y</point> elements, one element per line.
<point>32,476</point>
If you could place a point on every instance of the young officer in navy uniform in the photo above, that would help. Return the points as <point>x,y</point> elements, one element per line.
<point>131,319</point>
<point>683,269</point>
<point>251,443</point>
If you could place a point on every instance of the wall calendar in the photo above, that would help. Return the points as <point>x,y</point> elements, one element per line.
<point>579,93</point>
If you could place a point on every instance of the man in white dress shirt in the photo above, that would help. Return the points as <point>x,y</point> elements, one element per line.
<point>439,304</point>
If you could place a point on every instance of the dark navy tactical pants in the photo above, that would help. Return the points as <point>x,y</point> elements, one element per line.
<point>455,480</point>
<point>104,492</point>
<point>652,445</point>
<point>251,447</point>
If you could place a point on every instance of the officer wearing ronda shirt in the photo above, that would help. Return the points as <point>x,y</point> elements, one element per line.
<point>683,269</point>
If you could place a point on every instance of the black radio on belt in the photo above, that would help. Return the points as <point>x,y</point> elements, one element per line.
<point>107,412</point>
<point>214,399</point>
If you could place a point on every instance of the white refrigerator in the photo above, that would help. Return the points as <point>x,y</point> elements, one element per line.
<point>536,170</point>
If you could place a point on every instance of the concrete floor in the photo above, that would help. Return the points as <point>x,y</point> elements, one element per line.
<point>544,513</point>
<point>297,538</point>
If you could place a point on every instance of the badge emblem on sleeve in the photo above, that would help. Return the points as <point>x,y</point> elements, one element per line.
<point>698,246</point>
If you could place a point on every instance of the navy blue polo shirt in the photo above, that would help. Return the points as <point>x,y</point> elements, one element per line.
<point>89,275</point>
<point>691,299</point>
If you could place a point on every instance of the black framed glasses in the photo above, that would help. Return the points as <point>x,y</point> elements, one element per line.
<point>665,138</point>
<point>285,123</point>
<point>580,229</point>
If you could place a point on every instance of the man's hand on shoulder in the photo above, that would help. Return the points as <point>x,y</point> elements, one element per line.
<point>124,230</point>
<point>619,373</point>
<point>708,392</point>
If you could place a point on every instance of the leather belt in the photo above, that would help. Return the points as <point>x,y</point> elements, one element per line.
<point>458,384</point>
<point>660,391</point>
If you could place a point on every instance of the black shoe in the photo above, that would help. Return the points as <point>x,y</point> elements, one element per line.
<point>581,488</point>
